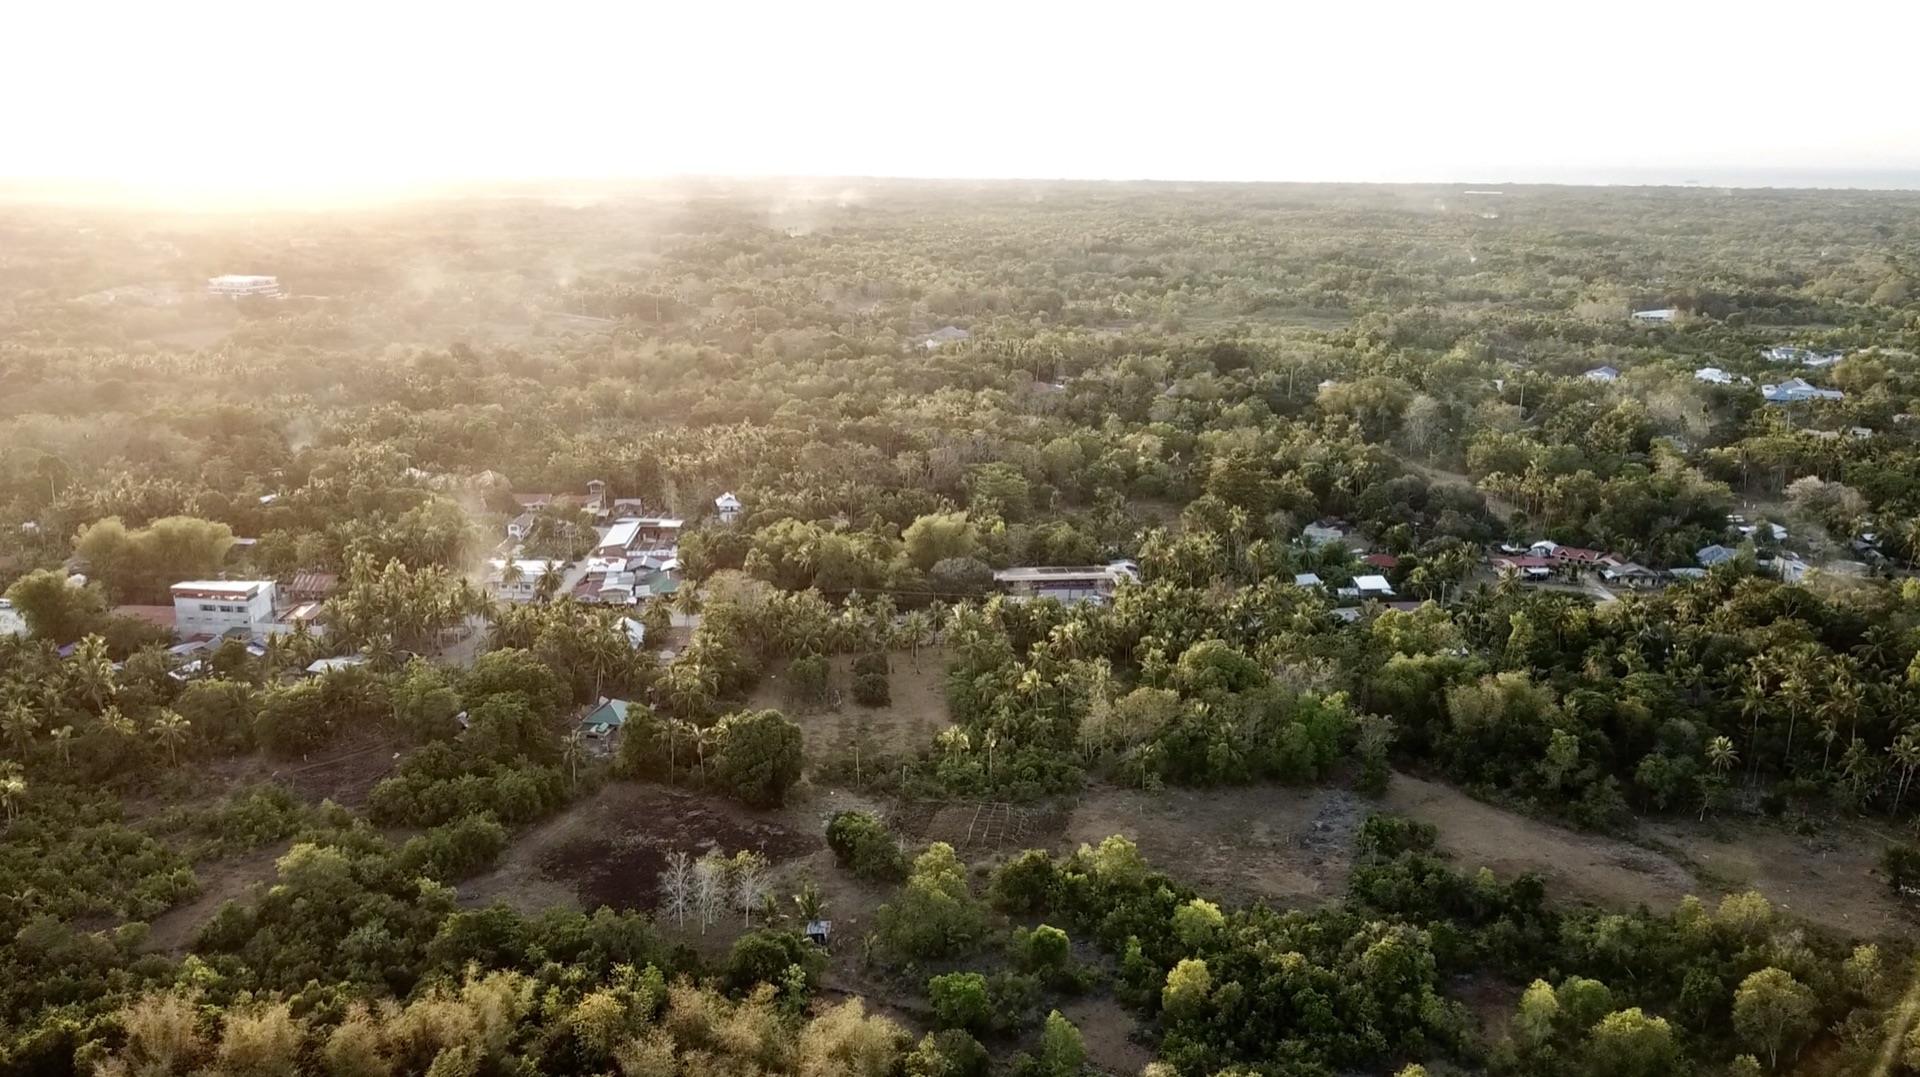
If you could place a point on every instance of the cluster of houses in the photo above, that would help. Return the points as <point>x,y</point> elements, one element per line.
<point>1807,357</point>
<point>635,556</point>
<point>1791,391</point>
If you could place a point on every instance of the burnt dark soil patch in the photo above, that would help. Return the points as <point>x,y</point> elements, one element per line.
<point>615,858</point>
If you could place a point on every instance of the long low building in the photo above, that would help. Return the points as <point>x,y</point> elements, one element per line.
<point>1066,583</point>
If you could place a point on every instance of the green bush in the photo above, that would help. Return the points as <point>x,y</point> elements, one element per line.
<point>1901,865</point>
<point>809,681</point>
<point>873,664</point>
<point>764,957</point>
<point>960,1000</point>
<point>1023,884</point>
<point>872,690</point>
<point>455,851</point>
<point>949,1053</point>
<point>862,844</point>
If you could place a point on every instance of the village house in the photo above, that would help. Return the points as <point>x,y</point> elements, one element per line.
<point>1655,317</point>
<point>728,506</point>
<point>1374,587</point>
<point>1797,390</point>
<point>1602,373</point>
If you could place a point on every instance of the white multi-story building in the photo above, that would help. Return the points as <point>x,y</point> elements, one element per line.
<point>235,284</point>
<point>216,607</point>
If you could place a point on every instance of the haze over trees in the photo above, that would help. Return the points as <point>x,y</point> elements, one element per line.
<point>1185,379</point>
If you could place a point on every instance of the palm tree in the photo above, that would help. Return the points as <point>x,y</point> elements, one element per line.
<point>549,582</point>
<point>512,576</point>
<point>170,729</point>
<point>1721,755</point>
<point>570,752</point>
<point>91,670</point>
<point>13,789</point>
<point>20,722</point>
<point>62,742</point>
<point>1906,754</point>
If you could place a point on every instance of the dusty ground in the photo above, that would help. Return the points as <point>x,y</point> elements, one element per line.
<point>1287,846</point>
<point>1606,871</point>
<point>1827,879</point>
<point>220,881</point>
<point>917,712</point>
<point>1105,1026</point>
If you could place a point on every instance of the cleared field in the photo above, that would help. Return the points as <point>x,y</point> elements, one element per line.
<point>1290,847</point>
<point>908,723</point>
<point>1828,879</point>
<point>1606,871</point>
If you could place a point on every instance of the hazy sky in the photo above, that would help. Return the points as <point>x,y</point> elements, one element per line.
<point>276,94</point>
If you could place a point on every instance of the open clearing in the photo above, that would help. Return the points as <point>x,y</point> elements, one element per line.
<point>907,724</point>
<point>1828,879</point>
<point>1605,871</point>
<point>1290,847</point>
<point>1293,847</point>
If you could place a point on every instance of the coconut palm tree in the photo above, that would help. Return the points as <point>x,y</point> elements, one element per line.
<point>571,749</point>
<point>170,729</point>
<point>1906,755</point>
<point>90,670</point>
<point>1721,755</point>
<point>512,575</point>
<point>62,742</point>
<point>548,585</point>
<point>19,722</point>
<point>13,789</point>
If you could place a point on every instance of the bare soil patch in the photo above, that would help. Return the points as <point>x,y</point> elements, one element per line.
<point>1290,847</point>
<point>221,881</point>
<point>1606,871</point>
<point>1828,879</point>
<point>1107,1029</point>
<point>610,848</point>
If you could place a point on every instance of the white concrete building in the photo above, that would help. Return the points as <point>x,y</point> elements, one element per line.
<point>729,507</point>
<point>235,284</point>
<point>1655,317</point>
<point>525,584</point>
<point>216,607</point>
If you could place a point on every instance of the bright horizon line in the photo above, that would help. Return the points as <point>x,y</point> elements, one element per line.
<point>132,193</point>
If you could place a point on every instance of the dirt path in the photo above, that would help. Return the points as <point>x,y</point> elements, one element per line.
<point>220,881</point>
<point>1606,871</point>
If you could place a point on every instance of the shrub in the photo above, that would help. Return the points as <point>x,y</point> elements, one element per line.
<point>862,844</point>
<point>871,665</point>
<point>461,848</point>
<point>951,1053</point>
<point>1901,863</point>
<point>960,1000</point>
<point>765,956</point>
<point>1023,884</point>
<point>872,690</point>
<point>809,681</point>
